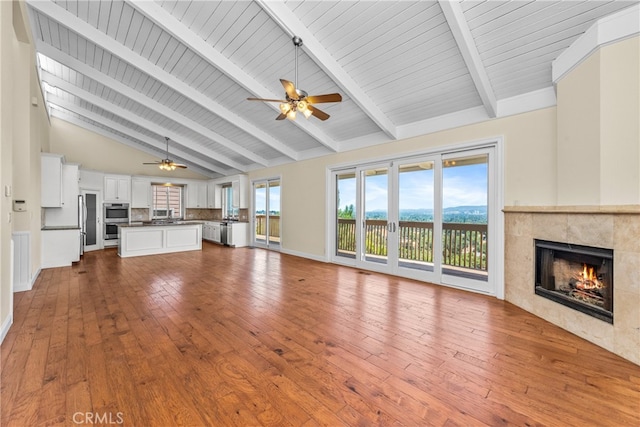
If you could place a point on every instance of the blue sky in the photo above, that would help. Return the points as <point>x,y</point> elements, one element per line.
<point>463,185</point>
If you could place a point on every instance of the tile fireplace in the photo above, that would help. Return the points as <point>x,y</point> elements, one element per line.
<point>577,276</point>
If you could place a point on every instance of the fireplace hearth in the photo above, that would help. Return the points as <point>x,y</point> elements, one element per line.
<point>576,276</point>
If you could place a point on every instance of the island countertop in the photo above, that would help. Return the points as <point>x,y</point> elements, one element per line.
<point>160,223</point>
<point>157,238</point>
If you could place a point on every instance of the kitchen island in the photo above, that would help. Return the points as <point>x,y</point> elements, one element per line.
<point>158,237</point>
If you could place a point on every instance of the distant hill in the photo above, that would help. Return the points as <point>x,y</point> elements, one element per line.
<point>459,214</point>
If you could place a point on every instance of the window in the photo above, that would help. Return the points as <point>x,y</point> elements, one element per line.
<point>167,201</point>
<point>228,210</point>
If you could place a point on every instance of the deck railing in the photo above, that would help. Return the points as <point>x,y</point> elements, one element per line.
<point>463,245</point>
<point>274,226</point>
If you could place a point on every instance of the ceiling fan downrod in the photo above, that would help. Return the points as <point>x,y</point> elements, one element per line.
<point>297,42</point>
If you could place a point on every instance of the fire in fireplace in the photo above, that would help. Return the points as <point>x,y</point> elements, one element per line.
<point>580,277</point>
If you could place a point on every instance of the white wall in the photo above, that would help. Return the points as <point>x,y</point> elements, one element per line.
<point>95,152</point>
<point>530,172</point>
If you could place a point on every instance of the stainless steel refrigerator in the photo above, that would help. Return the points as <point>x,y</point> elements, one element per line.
<point>82,222</point>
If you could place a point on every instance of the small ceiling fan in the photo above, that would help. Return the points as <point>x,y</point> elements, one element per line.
<point>297,99</point>
<point>167,163</point>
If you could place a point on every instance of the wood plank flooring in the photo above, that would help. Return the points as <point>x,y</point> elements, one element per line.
<point>251,337</point>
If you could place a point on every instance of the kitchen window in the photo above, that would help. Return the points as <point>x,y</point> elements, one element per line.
<point>229,211</point>
<point>167,201</point>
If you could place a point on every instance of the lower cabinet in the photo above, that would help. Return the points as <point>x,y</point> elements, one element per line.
<point>211,231</point>
<point>60,247</point>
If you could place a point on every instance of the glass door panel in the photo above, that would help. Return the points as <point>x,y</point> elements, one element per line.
<point>375,211</point>
<point>273,214</point>
<point>465,201</point>
<point>345,215</point>
<point>416,208</point>
<point>260,213</point>
<point>266,215</point>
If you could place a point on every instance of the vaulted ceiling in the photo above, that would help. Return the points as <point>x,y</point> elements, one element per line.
<point>137,71</point>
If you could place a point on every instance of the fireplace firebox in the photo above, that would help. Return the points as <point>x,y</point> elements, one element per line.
<point>580,277</point>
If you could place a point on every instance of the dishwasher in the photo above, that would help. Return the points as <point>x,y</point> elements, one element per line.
<point>224,233</point>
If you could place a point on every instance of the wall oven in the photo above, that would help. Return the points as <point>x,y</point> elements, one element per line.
<point>114,214</point>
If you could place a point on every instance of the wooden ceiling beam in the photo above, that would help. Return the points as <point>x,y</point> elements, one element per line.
<point>82,28</point>
<point>180,32</point>
<point>463,37</point>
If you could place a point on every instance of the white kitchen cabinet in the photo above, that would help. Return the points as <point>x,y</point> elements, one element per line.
<point>196,195</point>
<point>207,231</point>
<point>240,191</point>
<point>51,180</point>
<point>215,232</point>
<point>60,247</point>
<point>67,213</point>
<point>214,195</point>
<point>140,193</point>
<point>117,188</point>
<point>238,232</point>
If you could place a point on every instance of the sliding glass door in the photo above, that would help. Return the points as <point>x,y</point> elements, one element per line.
<point>425,218</point>
<point>266,215</point>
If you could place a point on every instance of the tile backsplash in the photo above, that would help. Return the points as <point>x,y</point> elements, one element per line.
<point>140,214</point>
<point>202,214</point>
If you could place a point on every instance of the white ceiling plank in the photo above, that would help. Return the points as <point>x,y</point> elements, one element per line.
<point>460,29</point>
<point>160,146</point>
<point>289,22</point>
<point>216,59</point>
<point>139,120</point>
<point>150,103</point>
<point>62,115</point>
<point>60,15</point>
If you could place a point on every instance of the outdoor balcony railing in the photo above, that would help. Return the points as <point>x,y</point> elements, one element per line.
<point>463,245</point>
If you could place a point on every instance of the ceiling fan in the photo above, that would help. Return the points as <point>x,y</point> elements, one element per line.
<point>167,164</point>
<point>297,99</point>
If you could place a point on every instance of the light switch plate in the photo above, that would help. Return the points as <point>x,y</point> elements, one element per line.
<point>7,190</point>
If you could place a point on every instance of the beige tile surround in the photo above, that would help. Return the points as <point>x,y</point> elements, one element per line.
<point>613,227</point>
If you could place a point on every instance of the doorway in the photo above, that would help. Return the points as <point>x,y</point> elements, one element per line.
<point>92,226</point>
<point>426,217</point>
<point>266,219</point>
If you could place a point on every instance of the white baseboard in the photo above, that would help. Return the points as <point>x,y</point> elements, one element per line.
<point>22,287</point>
<point>5,327</point>
<point>303,255</point>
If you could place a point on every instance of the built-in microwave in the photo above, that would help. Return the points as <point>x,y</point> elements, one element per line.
<point>116,212</point>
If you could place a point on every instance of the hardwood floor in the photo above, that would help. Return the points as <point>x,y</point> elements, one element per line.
<point>250,337</point>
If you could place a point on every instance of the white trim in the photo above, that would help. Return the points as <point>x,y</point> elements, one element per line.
<point>536,100</point>
<point>6,325</point>
<point>444,122</point>
<point>319,258</point>
<point>497,143</point>
<point>610,29</point>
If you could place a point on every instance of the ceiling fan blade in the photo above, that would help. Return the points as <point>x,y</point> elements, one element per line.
<point>181,166</point>
<point>281,117</point>
<point>152,163</point>
<point>290,88</point>
<point>330,97</point>
<point>318,113</point>
<point>266,100</point>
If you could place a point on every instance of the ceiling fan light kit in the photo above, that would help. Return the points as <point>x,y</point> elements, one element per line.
<point>167,164</point>
<point>297,100</point>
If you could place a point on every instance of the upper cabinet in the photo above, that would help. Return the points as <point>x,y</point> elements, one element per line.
<point>240,192</point>
<point>140,193</point>
<point>51,180</point>
<point>197,194</point>
<point>214,195</point>
<point>117,188</point>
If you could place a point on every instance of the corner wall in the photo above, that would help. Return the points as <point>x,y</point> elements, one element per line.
<point>530,173</point>
<point>24,130</point>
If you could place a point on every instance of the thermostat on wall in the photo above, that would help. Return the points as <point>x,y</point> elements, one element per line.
<point>20,205</point>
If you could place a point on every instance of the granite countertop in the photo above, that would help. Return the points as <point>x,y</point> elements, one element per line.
<point>160,223</point>
<point>60,227</point>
